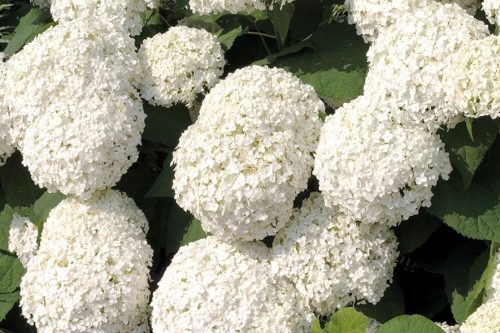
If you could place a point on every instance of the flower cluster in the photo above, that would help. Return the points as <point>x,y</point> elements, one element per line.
<point>409,60</point>
<point>73,110</point>
<point>492,10</point>
<point>212,286</point>
<point>485,319</point>
<point>373,16</point>
<point>23,235</point>
<point>179,64</point>
<point>91,272</point>
<point>376,168</point>
<point>124,14</point>
<point>331,259</point>
<point>6,144</point>
<point>232,6</point>
<point>473,84</point>
<point>239,168</point>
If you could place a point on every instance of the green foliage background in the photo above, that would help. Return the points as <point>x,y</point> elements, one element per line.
<point>446,251</point>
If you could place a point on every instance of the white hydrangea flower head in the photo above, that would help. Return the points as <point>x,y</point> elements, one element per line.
<point>65,65</point>
<point>448,328</point>
<point>23,235</point>
<point>409,60</point>
<point>493,286</point>
<point>373,16</point>
<point>124,14</point>
<point>6,142</point>
<point>232,6</point>
<point>239,168</point>
<point>72,108</point>
<point>91,272</point>
<point>492,10</point>
<point>375,168</point>
<point>331,259</point>
<point>473,83</point>
<point>485,319</point>
<point>179,64</point>
<point>80,151</point>
<point>213,286</point>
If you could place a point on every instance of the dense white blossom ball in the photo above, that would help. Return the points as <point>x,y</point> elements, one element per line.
<point>375,168</point>
<point>232,6</point>
<point>65,66</point>
<point>6,142</point>
<point>473,83</point>
<point>123,14</point>
<point>179,64</point>
<point>239,168</point>
<point>80,151</point>
<point>91,272</point>
<point>485,319</point>
<point>409,60</point>
<point>213,286</point>
<point>492,10</point>
<point>23,235</point>
<point>373,16</point>
<point>331,259</point>
<point>72,108</point>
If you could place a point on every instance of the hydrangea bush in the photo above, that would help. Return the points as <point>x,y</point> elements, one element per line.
<point>241,166</point>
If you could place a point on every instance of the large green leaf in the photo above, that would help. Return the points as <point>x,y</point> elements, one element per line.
<point>33,23</point>
<point>410,324</point>
<point>45,204</point>
<point>177,227</point>
<point>7,302</point>
<point>472,212</point>
<point>466,152</point>
<point>11,272</point>
<point>17,185</point>
<point>5,221</point>
<point>165,126</point>
<point>466,289</point>
<point>225,27</point>
<point>332,60</point>
<point>162,186</point>
<point>414,232</point>
<point>347,320</point>
<point>280,17</point>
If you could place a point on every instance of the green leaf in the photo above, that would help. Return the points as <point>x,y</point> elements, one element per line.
<point>466,154</point>
<point>466,300</point>
<point>162,186</point>
<point>413,233</point>
<point>177,227</point>
<point>410,324</point>
<point>225,27</point>
<point>334,63</point>
<point>390,306</point>
<point>11,272</point>
<point>316,326</point>
<point>307,16</point>
<point>347,320</point>
<point>472,212</point>
<point>280,17</point>
<point>17,185</point>
<point>33,23</point>
<point>165,126</point>
<point>7,302</point>
<point>5,221</point>
<point>45,204</point>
